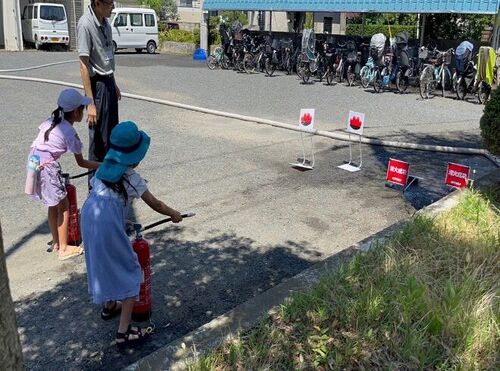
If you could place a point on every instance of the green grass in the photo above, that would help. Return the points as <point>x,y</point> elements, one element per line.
<point>426,299</point>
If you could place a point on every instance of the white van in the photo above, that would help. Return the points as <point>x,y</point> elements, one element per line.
<point>134,28</point>
<point>45,23</point>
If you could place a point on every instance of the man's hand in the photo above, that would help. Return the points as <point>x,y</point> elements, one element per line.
<point>118,93</point>
<point>91,114</point>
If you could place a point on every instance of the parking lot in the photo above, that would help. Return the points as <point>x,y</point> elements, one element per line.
<point>258,221</point>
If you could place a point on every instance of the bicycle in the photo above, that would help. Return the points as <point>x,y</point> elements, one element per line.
<point>218,59</point>
<point>436,73</point>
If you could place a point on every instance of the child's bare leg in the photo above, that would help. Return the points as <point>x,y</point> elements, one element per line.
<point>62,229</point>
<point>126,314</point>
<point>52,218</point>
<point>126,318</point>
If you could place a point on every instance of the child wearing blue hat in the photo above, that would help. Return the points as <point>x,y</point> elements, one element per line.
<point>113,270</point>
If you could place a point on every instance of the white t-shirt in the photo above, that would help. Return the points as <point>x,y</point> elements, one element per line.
<point>134,185</point>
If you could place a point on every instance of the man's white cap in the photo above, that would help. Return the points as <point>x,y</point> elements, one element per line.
<point>71,99</point>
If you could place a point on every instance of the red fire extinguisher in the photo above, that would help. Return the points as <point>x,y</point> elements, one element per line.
<point>143,307</point>
<point>74,236</point>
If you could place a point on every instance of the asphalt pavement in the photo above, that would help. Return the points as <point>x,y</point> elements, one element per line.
<point>259,221</point>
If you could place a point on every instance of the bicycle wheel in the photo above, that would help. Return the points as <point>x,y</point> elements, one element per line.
<point>443,81</point>
<point>483,93</point>
<point>461,88</point>
<point>340,71</point>
<point>249,63</point>
<point>306,74</point>
<point>402,82</point>
<point>211,62</point>
<point>351,76</point>
<point>288,65</point>
<point>299,66</point>
<point>363,75</point>
<point>377,82</point>
<point>329,76</point>
<point>225,62</point>
<point>426,82</point>
<point>269,67</point>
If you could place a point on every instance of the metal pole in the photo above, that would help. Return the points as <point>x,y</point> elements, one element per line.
<point>495,40</point>
<point>270,22</point>
<point>422,33</point>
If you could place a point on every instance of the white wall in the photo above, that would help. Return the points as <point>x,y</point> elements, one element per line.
<point>12,32</point>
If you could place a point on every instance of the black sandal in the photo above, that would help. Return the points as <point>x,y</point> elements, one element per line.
<point>109,313</point>
<point>131,331</point>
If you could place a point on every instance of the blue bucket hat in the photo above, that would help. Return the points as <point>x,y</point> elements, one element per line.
<point>128,147</point>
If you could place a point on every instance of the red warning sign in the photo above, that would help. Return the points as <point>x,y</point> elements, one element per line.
<point>457,175</point>
<point>397,172</point>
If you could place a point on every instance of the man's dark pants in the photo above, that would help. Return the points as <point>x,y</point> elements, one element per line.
<point>106,102</point>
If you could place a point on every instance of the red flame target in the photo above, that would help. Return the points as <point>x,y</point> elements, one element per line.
<point>306,120</point>
<point>355,123</point>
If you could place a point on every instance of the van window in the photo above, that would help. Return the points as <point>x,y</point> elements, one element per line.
<point>52,13</point>
<point>35,12</point>
<point>121,20</point>
<point>136,20</point>
<point>150,20</point>
<point>30,12</point>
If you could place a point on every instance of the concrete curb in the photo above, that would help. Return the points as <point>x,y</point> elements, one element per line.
<point>180,352</point>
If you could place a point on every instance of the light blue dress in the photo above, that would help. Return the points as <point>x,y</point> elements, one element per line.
<point>113,270</point>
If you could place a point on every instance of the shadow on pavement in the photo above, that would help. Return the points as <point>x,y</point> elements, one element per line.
<point>193,282</point>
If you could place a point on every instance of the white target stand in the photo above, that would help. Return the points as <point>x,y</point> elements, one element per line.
<point>350,166</point>
<point>355,125</point>
<point>306,126</point>
<point>304,162</point>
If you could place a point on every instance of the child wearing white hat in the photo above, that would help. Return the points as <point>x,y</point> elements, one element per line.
<point>44,181</point>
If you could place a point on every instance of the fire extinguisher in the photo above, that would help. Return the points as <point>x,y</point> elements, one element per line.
<point>74,236</point>
<point>143,307</point>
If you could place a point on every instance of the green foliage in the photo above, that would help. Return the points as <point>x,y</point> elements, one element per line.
<point>165,9</point>
<point>385,19</point>
<point>490,123</point>
<point>372,29</point>
<point>309,22</point>
<point>456,26</point>
<point>425,299</point>
<point>228,17</point>
<point>181,36</point>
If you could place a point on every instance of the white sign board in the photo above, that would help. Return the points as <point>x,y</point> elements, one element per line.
<point>306,120</point>
<point>356,122</point>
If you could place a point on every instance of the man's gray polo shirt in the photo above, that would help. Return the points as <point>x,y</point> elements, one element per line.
<point>95,40</point>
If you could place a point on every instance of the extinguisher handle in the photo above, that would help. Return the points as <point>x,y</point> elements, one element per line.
<point>152,225</point>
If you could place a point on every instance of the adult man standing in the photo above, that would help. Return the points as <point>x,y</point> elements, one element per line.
<point>97,65</point>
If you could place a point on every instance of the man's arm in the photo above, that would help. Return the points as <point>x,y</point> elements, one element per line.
<point>84,72</point>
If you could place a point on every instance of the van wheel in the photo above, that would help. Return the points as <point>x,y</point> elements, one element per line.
<point>115,48</point>
<point>138,50</point>
<point>151,47</point>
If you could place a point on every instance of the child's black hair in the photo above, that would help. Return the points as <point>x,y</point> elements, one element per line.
<point>119,187</point>
<point>57,117</point>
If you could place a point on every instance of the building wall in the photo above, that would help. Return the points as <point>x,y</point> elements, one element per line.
<point>280,21</point>
<point>338,22</point>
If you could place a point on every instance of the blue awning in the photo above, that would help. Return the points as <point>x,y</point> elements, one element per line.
<point>359,6</point>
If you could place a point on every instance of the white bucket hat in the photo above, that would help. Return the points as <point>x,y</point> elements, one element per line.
<point>71,99</point>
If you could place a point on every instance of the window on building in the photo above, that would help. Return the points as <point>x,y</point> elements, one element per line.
<point>121,20</point>
<point>186,3</point>
<point>136,20</point>
<point>327,24</point>
<point>149,20</point>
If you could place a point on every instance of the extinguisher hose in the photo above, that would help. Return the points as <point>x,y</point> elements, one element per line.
<point>81,175</point>
<point>152,225</point>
